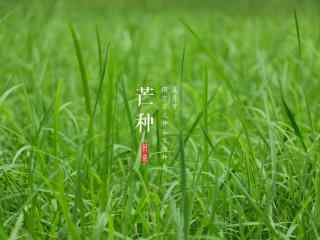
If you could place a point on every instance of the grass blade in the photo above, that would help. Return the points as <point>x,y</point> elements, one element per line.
<point>194,125</point>
<point>296,21</point>
<point>294,123</point>
<point>205,119</point>
<point>128,111</point>
<point>183,174</point>
<point>103,63</point>
<point>82,68</point>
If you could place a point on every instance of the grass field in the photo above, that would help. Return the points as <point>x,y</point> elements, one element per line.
<point>243,138</point>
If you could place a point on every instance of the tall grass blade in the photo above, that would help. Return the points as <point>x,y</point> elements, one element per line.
<point>82,165</point>
<point>129,116</point>
<point>99,46</point>
<point>293,122</point>
<point>83,71</point>
<point>183,174</point>
<point>205,119</point>
<point>197,37</point>
<point>194,125</point>
<point>56,117</point>
<point>103,63</point>
<point>106,165</point>
<point>296,21</point>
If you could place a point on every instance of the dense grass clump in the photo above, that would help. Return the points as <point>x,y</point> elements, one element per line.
<point>243,134</point>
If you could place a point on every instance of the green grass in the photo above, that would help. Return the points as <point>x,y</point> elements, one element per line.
<point>243,139</point>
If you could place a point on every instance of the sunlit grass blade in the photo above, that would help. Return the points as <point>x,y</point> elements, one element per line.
<point>18,225</point>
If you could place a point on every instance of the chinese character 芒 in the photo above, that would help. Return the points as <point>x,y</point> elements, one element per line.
<point>144,92</point>
<point>144,121</point>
